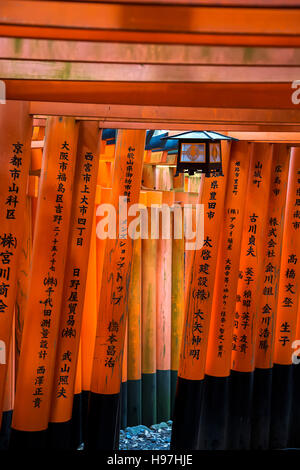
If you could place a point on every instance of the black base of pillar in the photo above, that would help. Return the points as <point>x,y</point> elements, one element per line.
<point>214,413</point>
<point>59,436</point>
<point>134,402</point>
<point>28,440</point>
<point>67,435</point>
<point>163,392</point>
<point>261,409</point>
<point>103,422</point>
<point>173,389</point>
<point>282,389</point>
<point>5,430</point>
<point>240,405</point>
<point>124,396</point>
<point>294,438</point>
<point>186,416</point>
<point>85,395</point>
<point>149,402</point>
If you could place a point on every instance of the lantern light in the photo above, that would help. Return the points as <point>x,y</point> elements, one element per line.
<point>199,152</point>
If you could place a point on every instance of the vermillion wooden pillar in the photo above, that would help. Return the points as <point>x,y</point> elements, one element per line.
<point>16,128</point>
<point>134,399</point>
<point>88,328</point>
<point>103,197</point>
<point>82,214</point>
<point>288,298</point>
<point>214,415</point>
<point>107,367</point>
<point>294,432</point>
<point>149,299</point>
<point>76,422</point>
<point>248,296</point>
<point>187,410</point>
<point>163,312</point>
<point>124,388</point>
<point>189,254</point>
<point>177,306</point>
<point>261,407</point>
<point>23,277</point>
<point>9,395</point>
<point>148,177</point>
<point>40,333</point>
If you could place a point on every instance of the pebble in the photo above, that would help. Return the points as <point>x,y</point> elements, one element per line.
<point>157,437</point>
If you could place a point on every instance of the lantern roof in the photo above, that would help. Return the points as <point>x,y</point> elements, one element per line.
<point>199,135</point>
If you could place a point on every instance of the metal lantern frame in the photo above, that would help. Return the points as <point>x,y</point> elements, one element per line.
<point>206,138</point>
<point>206,167</point>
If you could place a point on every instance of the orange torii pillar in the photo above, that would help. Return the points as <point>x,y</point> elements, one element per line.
<point>77,416</point>
<point>163,309</point>
<point>188,400</point>
<point>103,197</point>
<point>42,315</point>
<point>23,275</point>
<point>177,298</point>
<point>9,395</point>
<point>76,266</point>
<point>288,298</point>
<point>261,406</point>
<point>214,415</point>
<point>134,361</point>
<point>124,382</point>
<point>104,410</point>
<point>88,329</point>
<point>294,434</point>
<point>134,364</point>
<point>149,299</point>
<point>248,296</point>
<point>16,128</point>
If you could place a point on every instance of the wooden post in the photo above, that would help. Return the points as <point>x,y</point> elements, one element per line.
<point>9,395</point>
<point>23,277</point>
<point>288,298</point>
<point>40,333</point>
<point>262,387</point>
<point>77,416</point>
<point>294,434</point>
<point>16,128</point>
<point>163,312</point>
<point>134,399</point>
<point>177,307</point>
<point>149,299</point>
<point>104,198</point>
<point>124,387</point>
<point>214,415</point>
<point>248,296</point>
<point>107,366</point>
<point>187,410</point>
<point>88,328</point>
<point>82,214</point>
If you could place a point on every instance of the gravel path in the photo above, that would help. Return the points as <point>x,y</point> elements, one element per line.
<point>157,437</point>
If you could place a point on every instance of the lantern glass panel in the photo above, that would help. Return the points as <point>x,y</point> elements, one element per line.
<point>215,153</point>
<point>193,153</point>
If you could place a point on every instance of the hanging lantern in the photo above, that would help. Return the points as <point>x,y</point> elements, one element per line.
<point>199,152</point>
